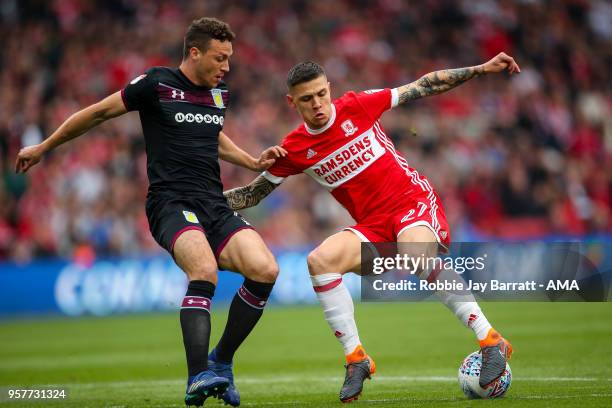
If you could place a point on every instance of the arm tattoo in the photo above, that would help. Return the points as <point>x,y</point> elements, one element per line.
<point>437,82</point>
<point>249,195</point>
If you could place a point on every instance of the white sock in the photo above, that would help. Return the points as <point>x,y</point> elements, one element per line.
<point>469,314</point>
<point>463,305</point>
<point>338,308</point>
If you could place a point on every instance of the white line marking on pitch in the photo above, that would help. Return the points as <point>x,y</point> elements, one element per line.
<point>302,379</point>
<point>396,400</point>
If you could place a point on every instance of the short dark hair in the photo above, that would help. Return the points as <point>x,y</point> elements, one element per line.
<point>201,31</point>
<point>304,72</point>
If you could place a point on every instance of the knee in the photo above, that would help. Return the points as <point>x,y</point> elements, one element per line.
<point>269,272</point>
<point>319,262</point>
<point>206,271</point>
<point>263,270</point>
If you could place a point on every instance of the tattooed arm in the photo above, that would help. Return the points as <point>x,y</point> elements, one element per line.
<point>249,195</point>
<point>442,81</point>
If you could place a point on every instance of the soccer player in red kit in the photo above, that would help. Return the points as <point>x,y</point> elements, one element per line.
<point>343,147</point>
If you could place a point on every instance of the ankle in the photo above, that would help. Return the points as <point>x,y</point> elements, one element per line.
<point>358,354</point>
<point>492,338</point>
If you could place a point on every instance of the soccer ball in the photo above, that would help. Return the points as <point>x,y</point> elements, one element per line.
<point>469,373</point>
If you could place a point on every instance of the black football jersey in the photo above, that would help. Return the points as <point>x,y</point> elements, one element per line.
<point>181,123</point>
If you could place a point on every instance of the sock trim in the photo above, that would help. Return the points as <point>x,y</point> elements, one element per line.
<point>196,302</point>
<point>250,299</point>
<point>328,286</point>
<point>320,280</point>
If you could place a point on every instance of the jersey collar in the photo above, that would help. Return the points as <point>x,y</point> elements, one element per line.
<point>330,122</point>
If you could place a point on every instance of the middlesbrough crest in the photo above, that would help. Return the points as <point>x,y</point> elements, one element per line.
<point>348,127</point>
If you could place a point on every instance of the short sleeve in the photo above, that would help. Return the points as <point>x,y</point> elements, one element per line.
<point>140,92</point>
<point>377,101</point>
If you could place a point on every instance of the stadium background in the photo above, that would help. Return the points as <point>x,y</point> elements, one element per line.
<point>523,157</point>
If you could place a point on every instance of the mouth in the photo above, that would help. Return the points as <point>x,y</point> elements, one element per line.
<point>319,115</point>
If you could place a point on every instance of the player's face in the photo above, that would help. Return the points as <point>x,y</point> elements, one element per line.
<point>213,64</point>
<point>312,100</point>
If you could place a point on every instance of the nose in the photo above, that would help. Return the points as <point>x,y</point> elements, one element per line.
<point>316,103</point>
<point>225,66</point>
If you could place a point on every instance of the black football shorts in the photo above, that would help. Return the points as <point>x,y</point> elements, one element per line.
<point>170,216</point>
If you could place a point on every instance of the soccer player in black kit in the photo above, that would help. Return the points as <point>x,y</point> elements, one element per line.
<point>182,112</point>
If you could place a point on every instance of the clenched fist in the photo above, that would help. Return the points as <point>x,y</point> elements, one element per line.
<point>501,62</point>
<point>28,157</point>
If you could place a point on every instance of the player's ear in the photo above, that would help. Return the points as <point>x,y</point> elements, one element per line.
<point>195,53</point>
<point>290,101</point>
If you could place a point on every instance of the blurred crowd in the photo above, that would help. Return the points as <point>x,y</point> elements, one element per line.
<point>512,157</point>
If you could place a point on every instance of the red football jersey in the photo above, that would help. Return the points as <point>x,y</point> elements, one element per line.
<point>353,158</point>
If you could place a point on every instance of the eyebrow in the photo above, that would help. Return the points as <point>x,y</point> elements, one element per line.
<point>222,52</point>
<point>313,93</point>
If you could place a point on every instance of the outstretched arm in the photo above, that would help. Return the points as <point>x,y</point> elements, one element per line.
<point>249,195</point>
<point>442,81</point>
<point>74,126</point>
<point>231,153</point>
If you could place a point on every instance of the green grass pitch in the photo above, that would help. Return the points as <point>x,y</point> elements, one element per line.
<point>563,357</point>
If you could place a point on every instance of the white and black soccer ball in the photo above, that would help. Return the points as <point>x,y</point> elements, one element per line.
<point>469,374</point>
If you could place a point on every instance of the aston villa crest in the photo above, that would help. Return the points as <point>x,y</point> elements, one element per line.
<point>217,97</point>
